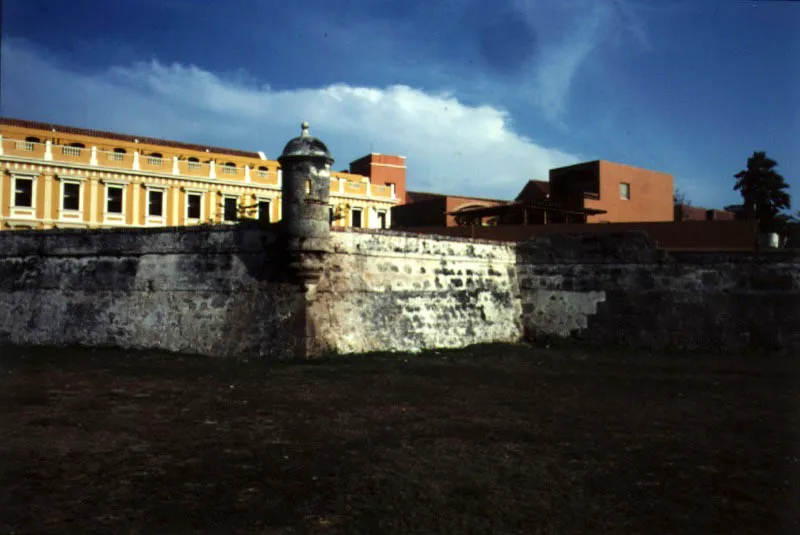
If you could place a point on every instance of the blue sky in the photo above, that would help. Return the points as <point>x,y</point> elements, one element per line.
<point>479,98</point>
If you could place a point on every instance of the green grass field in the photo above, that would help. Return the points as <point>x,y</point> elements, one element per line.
<point>494,439</point>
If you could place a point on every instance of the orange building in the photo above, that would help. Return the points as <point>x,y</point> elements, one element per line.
<point>624,192</point>
<point>60,176</point>
<point>589,192</point>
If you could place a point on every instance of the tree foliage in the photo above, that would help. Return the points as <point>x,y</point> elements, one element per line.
<point>680,197</point>
<point>764,192</point>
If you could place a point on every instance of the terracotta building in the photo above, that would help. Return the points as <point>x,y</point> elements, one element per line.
<point>60,176</point>
<point>590,192</point>
<point>625,193</point>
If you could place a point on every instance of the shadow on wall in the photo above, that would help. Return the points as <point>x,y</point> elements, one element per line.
<point>674,236</point>
<point>619,289</point>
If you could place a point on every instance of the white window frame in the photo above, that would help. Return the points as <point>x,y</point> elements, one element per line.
<point>23,212</point>
<point>628,189</point>
<point>70,215</point>
<point>155,220</point>
<point>354,209</point>
<point>234,197</point>
<point>378,218</point>
<point>186,217</point>
<point>114,217</point>
<point>265,199</point>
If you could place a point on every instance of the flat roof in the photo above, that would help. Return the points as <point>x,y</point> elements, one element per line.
<point>519,205</point>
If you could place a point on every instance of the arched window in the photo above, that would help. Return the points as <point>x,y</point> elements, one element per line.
<point>229,168</point>
<point>193,163</point>
<point>27,145</point>
<point>117,155</point>
<point>155,159</point>
<point>73,149</point>
<point>263,171</point>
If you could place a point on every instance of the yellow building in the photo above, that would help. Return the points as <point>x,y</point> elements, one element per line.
<point>62,177</point>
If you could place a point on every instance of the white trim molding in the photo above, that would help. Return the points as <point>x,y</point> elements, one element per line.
<point>194,220</point>
<point>269,200</point>
<point>114,217</point>
<point>71,214</point>
<point>22,212</point>
<point>226,196</point>
<point>155,220</point>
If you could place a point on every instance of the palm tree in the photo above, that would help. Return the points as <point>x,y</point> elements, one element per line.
<point>762,189</point>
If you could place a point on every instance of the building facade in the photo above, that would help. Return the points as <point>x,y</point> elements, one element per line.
<point>625,194</point>
<point>54,176</point>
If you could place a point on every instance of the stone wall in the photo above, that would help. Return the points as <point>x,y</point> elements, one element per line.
<point>402,292</point>
<point>226,291</point>
<point>619,289</point>
<point>209,291</point>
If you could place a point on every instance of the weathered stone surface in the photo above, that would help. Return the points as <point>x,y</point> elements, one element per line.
<point>224,291</point>
<point>401,292</point>
<point>720,302</point>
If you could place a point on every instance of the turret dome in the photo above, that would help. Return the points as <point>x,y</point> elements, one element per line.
<point>306,146</point>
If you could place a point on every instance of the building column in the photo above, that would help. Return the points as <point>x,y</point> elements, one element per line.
<point>48,150</point>
<point>136,166</point>
<point>176,197</point>
<point>212,169</point>
<point>213,195</point>
<point>280,177</point>
<point>175,170</point>
<point>93,201</point>
<point>1,145</point>
<point>341,185</point>
<point>393,195</point>
<point>136,195</point>
<point>93,159</point>
<point>3,176</point>
<point>247,173</point>
<point>48,196</point>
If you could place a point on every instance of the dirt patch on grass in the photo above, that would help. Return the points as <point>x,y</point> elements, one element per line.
<point>498,439</point>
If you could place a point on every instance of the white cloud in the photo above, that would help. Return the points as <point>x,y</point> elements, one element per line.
<point>450,147</point>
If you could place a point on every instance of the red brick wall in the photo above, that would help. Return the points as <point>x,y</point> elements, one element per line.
<point>384,170</point>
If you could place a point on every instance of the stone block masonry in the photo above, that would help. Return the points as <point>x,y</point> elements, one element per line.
<point>209,291</point>
<point>224,291</point>
<point>620,290</point>
<point>399,292</point>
